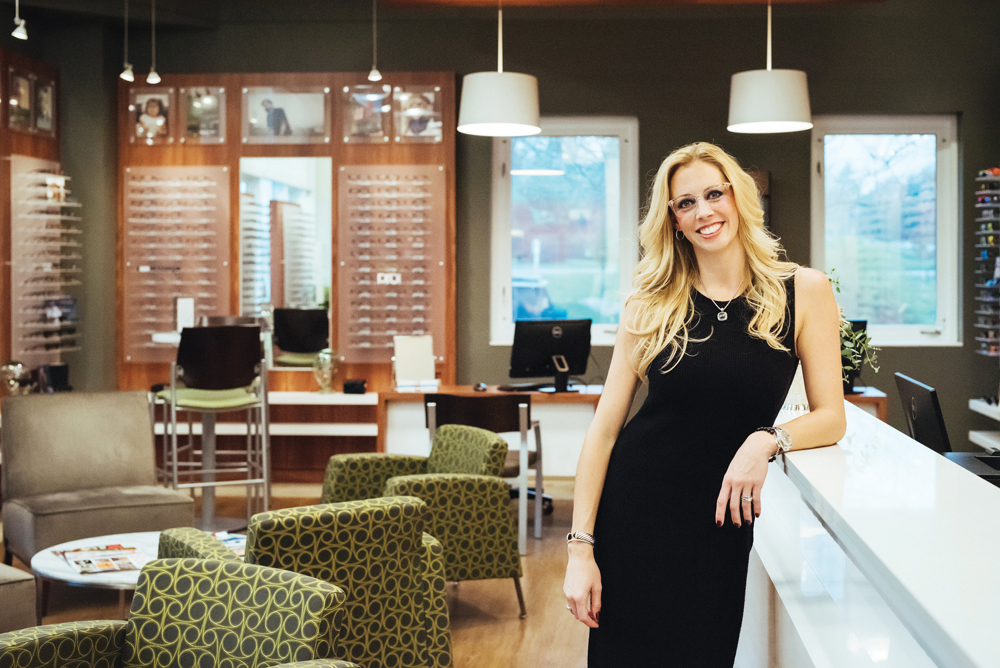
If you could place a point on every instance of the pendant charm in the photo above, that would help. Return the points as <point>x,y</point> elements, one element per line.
<point>722,316</point>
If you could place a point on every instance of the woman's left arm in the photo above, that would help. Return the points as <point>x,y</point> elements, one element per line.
<point>818,347</point>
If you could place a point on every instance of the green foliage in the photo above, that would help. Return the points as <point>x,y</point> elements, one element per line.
<point>856,348</point>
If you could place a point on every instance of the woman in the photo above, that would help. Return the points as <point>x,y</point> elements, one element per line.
<point>717,324</point>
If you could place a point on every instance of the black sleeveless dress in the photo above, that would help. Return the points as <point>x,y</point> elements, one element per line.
<point>674,582</point>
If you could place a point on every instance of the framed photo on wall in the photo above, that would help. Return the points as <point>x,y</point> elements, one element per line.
<point>417,113</point>
<point>277,115</point>
<point>367,113</point>
<point>45,107</point>
<point>150,109</point>
<point>203,115</point>
<point>21,102</point>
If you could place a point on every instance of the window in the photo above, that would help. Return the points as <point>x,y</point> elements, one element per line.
<point>565,217</point>
<point>885,221</point>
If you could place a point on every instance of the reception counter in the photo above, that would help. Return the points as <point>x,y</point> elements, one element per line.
<point>874,551</point>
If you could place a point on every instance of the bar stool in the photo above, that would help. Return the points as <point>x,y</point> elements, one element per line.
<point>218,370</point>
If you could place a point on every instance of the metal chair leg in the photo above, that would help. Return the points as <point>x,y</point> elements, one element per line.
<point>520,597</point>
<point>539,491</point>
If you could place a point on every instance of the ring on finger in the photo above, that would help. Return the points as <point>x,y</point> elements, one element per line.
<point>569,608</point>
<point>746,499</point>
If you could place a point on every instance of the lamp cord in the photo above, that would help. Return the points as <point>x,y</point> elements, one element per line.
<point>768,35</point>
<point>125,61</point>
<point>17,12</point>
<point>154,33</point>
<point>500,36</point>
<point>374,37</point>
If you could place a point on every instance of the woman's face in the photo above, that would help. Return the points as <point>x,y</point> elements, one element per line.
<point>153,107</point>
<point>704,209</point>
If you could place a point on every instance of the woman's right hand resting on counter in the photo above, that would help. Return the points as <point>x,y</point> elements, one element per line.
<point>583,584</point>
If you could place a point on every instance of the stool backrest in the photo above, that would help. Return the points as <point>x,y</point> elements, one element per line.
<point>219,358</point>
<point>301,330</point>
<point>496,413</point>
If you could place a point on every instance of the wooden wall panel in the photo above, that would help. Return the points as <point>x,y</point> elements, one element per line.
<point>379,376</point>
<point>298,459</point>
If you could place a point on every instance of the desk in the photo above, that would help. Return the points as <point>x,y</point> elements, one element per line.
<point>564,418</point>
<point>871,401</point>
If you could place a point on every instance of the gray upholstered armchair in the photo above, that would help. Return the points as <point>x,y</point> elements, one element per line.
<point>77,465</point>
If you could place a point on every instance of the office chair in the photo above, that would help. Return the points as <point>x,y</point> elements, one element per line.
<point>499,414</point>
<point>925,424</point>
<point>300,334</point>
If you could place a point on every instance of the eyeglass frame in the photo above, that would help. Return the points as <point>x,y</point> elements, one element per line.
<point>725,186</point>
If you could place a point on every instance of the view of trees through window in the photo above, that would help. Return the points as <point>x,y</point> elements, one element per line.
<point>881,225</point>
<point>565,209</point>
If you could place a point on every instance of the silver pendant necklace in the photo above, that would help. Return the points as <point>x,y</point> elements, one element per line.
<point>722,316</point>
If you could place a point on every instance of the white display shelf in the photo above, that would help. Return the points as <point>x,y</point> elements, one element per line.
<point>989,440</point>
<point>282,429</point>
<point>983,408</point>
<point>321,399</point>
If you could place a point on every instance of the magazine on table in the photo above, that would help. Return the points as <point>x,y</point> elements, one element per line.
<point>103,559</point>
<point>234,541</point>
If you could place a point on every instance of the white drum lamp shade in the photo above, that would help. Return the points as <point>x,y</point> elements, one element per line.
<point>769,101</point>
<point>499,104</point>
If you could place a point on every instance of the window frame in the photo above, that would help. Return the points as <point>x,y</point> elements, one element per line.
<point>626,128</point>
<point>947,331</point>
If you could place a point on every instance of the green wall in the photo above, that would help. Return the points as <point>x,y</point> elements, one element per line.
<point>668,67</point>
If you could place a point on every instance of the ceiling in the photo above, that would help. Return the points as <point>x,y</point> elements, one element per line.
<point>212,13</point>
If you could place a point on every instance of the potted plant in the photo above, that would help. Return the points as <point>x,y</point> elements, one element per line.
<point>856,347</point>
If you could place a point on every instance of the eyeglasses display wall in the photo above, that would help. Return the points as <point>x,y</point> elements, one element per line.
<point>987,269</point>
<point>176,245</point>
<point>255,254</point>
<point>391,272</point>
<point>45,262</point>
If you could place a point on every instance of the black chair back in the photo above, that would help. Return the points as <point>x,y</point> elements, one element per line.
<point>301,330</point>
<point>496,413</point>
<point>219,358</point>
<point>924,420</point>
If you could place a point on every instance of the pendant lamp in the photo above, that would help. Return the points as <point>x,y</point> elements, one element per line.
<point>769,101</point>
<point>153,77</point>
<point>20,32</point>
<point>499,104</point>
<point>374,75</point>
<point>127,73</point>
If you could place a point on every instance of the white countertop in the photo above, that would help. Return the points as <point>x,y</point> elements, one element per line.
<point>922,529</point>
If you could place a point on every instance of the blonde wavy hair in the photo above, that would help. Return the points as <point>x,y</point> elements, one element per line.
<point>663,280</point>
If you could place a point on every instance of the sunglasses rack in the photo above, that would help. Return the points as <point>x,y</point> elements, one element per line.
<point>176,245</point>
<point>987,268</point>
<point>45,262</point>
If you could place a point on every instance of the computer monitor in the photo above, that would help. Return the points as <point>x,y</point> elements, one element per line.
<point>558,348</point>
<point>924,420</point>
<point>301,330</point>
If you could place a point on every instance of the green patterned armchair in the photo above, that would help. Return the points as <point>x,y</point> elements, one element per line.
<point>460,483</point>
<point>195,612</point>
<point>376,550</point>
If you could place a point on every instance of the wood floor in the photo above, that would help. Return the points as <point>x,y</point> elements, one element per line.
<point>486,631</point>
